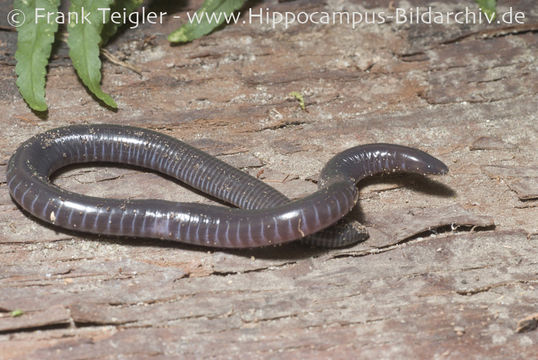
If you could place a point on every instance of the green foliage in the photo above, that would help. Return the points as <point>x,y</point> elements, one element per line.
<point>212,14</point>
<point>299,97</point>
<point>17,313</point>
<point>86,37</point>
<point>488,7</point>
<point>84,41</point>
<point>35,39</point>
<point>34,43</point>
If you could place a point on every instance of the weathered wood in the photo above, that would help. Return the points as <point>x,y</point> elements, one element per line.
<point>449,270</point>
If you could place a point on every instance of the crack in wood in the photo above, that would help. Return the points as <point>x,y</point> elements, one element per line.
<point>495,32</point>
<point>88,323</point>
<point>284,125</point>
<point>260,269</point>
<point>256,320</point>
<point>31,329</point>
<point>420,237</point>
<point>486,288</point>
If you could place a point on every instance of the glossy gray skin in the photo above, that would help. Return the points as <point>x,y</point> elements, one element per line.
<point>265,216</point>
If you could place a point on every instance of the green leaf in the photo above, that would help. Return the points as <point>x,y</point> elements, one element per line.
<point>84,41</point>
<point>17,313</point>
<point>110,27</point>
<point>299,97</point>
<point>34,43</point>
<point>212,14</point>
<point>488,7</point>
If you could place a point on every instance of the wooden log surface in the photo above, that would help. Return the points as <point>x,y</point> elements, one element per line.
<point>450,267</point>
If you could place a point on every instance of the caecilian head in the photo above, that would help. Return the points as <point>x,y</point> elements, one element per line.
<point>417,161</point>
<point>362,161</point>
